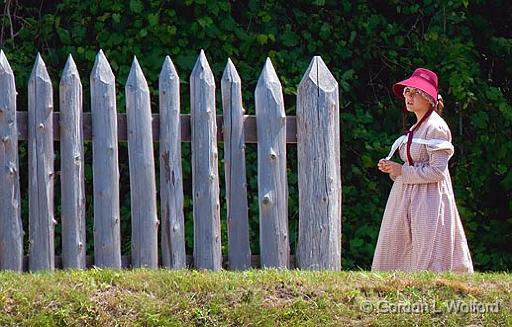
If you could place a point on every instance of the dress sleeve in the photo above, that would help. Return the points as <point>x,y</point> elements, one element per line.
<point>437,167</point>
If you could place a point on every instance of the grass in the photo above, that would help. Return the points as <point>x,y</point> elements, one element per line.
<point>254,298</point>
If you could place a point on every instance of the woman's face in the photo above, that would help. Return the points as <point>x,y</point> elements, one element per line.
<point>414,101</point>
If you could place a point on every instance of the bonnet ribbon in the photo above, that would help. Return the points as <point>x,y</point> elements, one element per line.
<point>409,134</point>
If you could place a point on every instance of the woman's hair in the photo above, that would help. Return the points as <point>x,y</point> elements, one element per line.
<point>440,105</point>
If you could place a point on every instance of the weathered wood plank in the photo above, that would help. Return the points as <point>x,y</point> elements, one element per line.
<point>272,181</point>
<point>144,241</point>
<point>41,174</point>
<point>72,168</point>
<point>107,243</point>
<point>239,251</point>
<point>171,180</point>
<point>318,147</point>
<point>249,127</point>
<point>11,228</point>
<point>205,176</point>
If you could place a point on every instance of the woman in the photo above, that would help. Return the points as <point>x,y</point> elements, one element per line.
<point>421,228</point>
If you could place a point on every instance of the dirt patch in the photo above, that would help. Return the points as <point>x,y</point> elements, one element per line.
<point>283,294</point>
<point>110,301</point>
<point>458,287</point>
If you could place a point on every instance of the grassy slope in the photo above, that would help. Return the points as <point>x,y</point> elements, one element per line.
<point>257,297</point>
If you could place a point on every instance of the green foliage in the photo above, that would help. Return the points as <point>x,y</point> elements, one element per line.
<point>367,46</point>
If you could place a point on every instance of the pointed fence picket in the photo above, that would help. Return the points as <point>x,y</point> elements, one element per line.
<point>272,181</point>
<point>40,176</point>
<point>318,145</point>
<point>11,229</point>
<point>316,132</point>
<point>107,233</point>
<point>142,173</point>
<point>72,168</point>
<point>239,252</point>
<point>171,180</point>
<point>205,171</point>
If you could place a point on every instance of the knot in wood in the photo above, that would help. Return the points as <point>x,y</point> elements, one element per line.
<point>273,154</point>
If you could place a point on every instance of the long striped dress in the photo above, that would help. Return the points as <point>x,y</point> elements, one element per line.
<point>421,228</point>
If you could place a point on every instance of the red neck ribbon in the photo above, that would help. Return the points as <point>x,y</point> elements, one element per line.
<point>410,133</point>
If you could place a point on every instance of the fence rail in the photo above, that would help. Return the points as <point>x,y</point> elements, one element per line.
<point>249,122</point>
<point>315,129</point>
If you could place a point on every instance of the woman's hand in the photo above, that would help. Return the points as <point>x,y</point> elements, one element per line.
<point>390,167</point>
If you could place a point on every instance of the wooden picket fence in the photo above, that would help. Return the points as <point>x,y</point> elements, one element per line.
<point>315,129</point>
